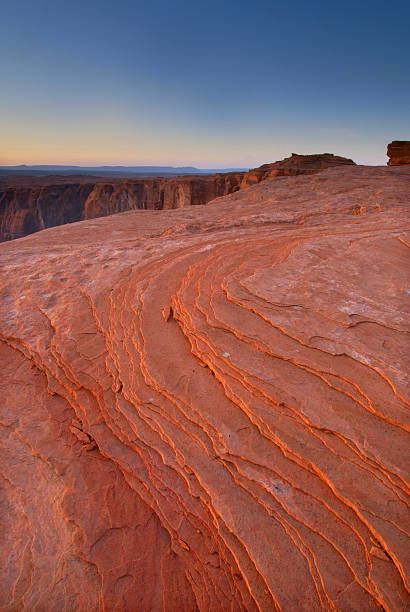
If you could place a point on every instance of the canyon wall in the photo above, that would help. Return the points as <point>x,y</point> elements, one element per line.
<point>206,409</point>
<point>398,153</point>
<point>159,194</point>
<point>25,209</point>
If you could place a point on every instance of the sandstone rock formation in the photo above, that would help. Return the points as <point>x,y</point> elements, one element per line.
<point>204,408</point>
<point>49,201</point>
<point>398,153</point>
<point>294,165</point>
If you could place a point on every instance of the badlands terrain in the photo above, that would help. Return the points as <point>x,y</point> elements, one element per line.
<point>206,408</point>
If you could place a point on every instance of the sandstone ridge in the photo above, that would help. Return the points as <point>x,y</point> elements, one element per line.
<point>49,201</point>
<point>205,408</point>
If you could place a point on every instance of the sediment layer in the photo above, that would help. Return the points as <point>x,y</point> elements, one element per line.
<point>205,408</point>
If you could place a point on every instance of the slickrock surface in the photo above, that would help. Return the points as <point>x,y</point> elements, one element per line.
<point>205,408</point>
<point>43,202</point>
<point>398,153</point>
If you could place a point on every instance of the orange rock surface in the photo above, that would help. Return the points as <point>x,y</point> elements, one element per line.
<point>205,408</point>
<point>398,153</point>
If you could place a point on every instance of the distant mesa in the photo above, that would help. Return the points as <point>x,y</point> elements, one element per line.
<point>30,203</point>
<point>398,153</point>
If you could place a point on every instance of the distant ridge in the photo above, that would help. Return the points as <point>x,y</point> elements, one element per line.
<point>120,171</point>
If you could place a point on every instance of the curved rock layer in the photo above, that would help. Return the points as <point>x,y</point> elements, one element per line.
<point>398,153</point>
<point>204,409</point>
<point>45,202</point>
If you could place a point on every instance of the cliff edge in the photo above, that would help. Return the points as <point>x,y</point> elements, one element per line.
<point>51,201</point>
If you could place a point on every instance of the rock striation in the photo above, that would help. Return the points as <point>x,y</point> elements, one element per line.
<point>45,202</point>
<point>205,408</point>
<point>398,153</point>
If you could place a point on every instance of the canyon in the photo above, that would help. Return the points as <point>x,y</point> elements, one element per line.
<point>30,204</point>
<point>205,408</point>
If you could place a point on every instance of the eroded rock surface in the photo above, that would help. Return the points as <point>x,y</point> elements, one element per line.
<point>205,408</point>
<point>398,153</point>
<point>44,202</point>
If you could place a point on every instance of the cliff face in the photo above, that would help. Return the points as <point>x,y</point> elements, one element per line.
<point>204,409</point>
<point>159,194</point>
<point>25,209</point>
<point>398,153</point>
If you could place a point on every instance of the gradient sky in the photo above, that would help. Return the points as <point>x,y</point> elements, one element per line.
<point>212,84</point>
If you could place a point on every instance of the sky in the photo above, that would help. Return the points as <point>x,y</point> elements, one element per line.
<point>206,83</point>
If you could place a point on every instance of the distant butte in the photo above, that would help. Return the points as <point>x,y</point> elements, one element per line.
<point>206,409</point>
<point>30,204</point>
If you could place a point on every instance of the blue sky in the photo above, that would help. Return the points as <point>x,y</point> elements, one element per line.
<point>212,84</point>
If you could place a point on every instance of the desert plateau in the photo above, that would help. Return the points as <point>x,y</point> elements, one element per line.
<point>199,404</point>
<point>204,306</point>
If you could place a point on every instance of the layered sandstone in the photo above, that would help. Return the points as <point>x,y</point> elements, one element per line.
<point>398,153</point>
<point>294,165</point>
<point>205,408</point>
<point>51,201</point>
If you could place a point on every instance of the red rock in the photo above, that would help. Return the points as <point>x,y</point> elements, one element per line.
<point>294,165</point>
<point>398,153</point>
<point>239,371</point>
<point>49,201</point>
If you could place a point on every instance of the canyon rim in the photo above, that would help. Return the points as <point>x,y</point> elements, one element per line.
<point>205,408</point>
<point>204,306</point>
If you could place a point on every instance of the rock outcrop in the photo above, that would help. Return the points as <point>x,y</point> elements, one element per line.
<point>398,153</point>
<point>294,165</point>
<point>28,209</point>
<point>205,408</point>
